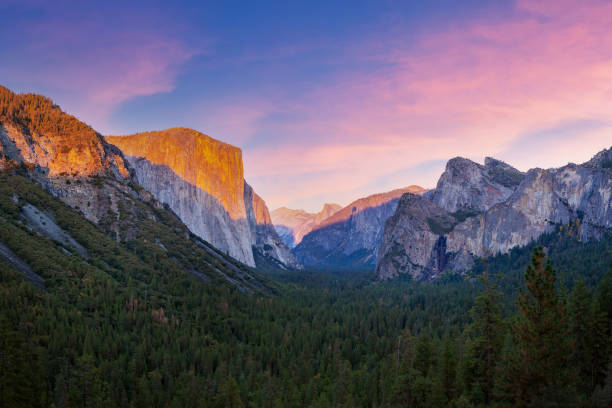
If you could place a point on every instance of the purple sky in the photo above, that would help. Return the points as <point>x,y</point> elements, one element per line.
<point>329,102</point>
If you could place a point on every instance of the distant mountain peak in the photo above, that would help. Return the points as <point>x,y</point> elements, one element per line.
<point>292,224</point>
<point>467,185</point>
<point>351,236</point>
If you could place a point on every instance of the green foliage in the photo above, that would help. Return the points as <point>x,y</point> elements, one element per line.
<point>463,214</point>
<point>131,326</point>
<point>484,342</point>
<point>38,114</point>
<point>539,373</point>
<point>441,225</point>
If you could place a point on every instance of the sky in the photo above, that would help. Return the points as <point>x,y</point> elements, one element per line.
<point>329,101</point>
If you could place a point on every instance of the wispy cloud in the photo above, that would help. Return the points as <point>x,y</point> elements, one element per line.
<point>92,61</point>
<point>324,116</point>
<point>470,90</point>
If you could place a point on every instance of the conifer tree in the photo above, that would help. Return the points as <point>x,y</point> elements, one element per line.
<point>538,374</point>
<point>588,329</point>
<point>486,334</point>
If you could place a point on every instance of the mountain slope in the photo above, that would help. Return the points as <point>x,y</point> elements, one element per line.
<point>160,246</point>
<point>35,131</point>
<point>292,225</point>
<point>350,237</point>
<point>268,248</point>
<point>54,151</point>
<point>202,180</point>
<point>425,239</point>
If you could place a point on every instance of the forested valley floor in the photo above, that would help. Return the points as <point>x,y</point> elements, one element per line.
<point>120,330</point>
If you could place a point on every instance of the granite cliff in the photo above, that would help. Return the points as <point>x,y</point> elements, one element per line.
<point>202,181</point>
<point>197,177</point>
<point>352,235</point>
<point>478,211</point>
<point>64,155</point>
<point>42,146</point>
<point>292,225</point>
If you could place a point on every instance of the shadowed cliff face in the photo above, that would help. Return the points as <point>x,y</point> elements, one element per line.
<point>469,186</point>
<point>264,237</point>
<point>293,225</point>
<point>350,238</point>
<point>431,234</point>
<point>203,213</point>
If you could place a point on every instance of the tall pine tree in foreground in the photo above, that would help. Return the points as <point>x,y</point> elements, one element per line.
<point>538,374</point>
<point>486,337</point>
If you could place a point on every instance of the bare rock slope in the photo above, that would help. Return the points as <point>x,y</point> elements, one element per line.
<point>485,210</point>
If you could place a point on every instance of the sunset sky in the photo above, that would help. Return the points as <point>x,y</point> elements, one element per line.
<point>329,101</point>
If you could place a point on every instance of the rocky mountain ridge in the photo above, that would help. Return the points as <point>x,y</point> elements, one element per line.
<point>350,237</point>
<point>76,164</point>
<point>479,211</point>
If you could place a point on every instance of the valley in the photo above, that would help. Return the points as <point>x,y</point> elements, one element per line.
<point>144,270</point>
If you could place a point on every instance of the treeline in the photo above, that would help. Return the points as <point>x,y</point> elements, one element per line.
<point>38,114</point>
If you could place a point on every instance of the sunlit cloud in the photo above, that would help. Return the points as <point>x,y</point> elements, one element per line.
<point>473,90</point>
<point>324,115</point>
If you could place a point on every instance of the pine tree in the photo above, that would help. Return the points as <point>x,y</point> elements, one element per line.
<point>602,397</point>
<point>538,374</point>
<point>588,328</point>
<point>228,395</point>
<point>580,327</point>
<point>486,340</point>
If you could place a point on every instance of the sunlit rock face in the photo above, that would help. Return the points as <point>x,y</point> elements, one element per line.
<point>199,210</point>
<point>350,238</point>
<point>292,225</point>
<point>71,161</point>
<point>65,154</point>
<point>434,236</point>
<point>200,160</point>
<point>202,181</point>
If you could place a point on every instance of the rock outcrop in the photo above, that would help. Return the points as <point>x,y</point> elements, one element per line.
<point>67,157</point>
<point>471,187</point>
<point>202,181</point>
<point>292,225</point>
<point>449,227</point>
<point>35,132</point>
<point>266,242</point>
<point>201,211</point>
<point>350,238</point>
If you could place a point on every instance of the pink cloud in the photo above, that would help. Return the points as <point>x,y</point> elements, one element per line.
<point>472,90</point>
<point>91,64</point>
